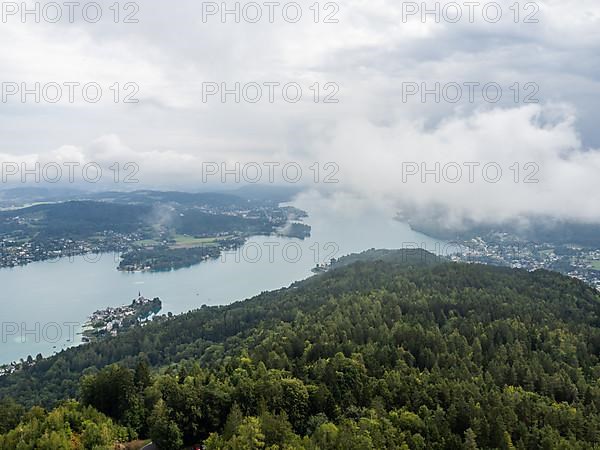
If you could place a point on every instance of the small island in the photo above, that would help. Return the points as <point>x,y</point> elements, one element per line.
<point>111,321</point>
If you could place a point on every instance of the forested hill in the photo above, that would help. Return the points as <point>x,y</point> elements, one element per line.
<point>406,257</point>
<point>190,335</point>
<point>397,354</point>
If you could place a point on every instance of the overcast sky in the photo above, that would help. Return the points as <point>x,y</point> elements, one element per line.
<point>369,55</point>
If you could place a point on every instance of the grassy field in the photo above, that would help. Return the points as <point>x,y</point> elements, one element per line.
<point>595,265</point>
<point>184,241</point>
<point>147,242</point>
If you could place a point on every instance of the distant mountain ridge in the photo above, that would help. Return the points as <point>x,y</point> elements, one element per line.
<point>22,196</point>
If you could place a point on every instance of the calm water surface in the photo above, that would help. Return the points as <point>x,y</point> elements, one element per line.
<point>42,303</point>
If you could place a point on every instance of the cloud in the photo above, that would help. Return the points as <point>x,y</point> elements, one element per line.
<point>369,134</point>
<point>473,169</point>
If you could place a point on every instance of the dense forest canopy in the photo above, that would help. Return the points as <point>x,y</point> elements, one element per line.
<point>401,354</point>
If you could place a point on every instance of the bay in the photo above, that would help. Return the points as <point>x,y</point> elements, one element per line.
<point>44,305</point>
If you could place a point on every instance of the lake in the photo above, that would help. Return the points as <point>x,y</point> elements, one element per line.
<point>44,304</point>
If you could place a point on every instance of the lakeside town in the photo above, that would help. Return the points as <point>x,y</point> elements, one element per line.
<point>177,237</point>
<point>107,322</point>
<point>114,320</point>
<point>14,253</point>
<point>504,249</point>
